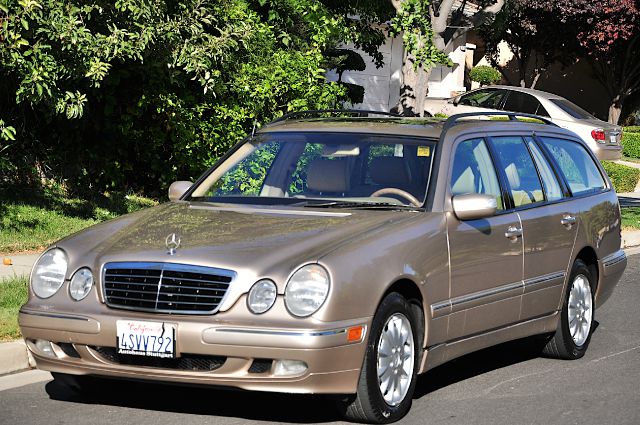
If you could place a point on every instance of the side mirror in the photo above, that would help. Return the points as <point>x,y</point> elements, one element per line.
<point>177,189</point>
<point>472,206</point>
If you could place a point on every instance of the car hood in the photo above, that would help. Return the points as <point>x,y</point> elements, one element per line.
<point>253,241</point>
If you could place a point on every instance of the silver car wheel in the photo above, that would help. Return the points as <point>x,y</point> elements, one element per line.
<point>396,358</point>
<point>580,310</point>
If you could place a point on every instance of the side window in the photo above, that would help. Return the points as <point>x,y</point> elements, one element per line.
<point>550,182</point>
<point>473,171</point>
<point>488,98</point>
<point>576,164</point>
<point>515,160</point>
<point>522,102</point>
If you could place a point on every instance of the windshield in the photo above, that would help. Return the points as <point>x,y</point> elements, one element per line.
<point>322,169</point>
<point>572,109</point>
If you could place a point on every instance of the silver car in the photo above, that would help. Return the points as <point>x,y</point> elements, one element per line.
<point>602,137</point>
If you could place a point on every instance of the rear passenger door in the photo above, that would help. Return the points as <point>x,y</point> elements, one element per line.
<point>518,101</point>
<point>548,217</point>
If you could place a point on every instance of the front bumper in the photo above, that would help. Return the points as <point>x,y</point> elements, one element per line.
<point>333,362</point>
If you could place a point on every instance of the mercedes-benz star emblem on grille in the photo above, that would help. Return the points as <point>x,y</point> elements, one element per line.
<point>172,242</point>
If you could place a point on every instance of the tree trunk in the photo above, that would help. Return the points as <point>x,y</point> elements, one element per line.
<point>615,109</point>
<point>414,88</point>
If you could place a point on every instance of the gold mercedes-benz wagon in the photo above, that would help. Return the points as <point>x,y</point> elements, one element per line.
<point>340,255</point>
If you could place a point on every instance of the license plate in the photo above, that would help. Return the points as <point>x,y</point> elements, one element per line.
<point>153,339</point>
<point>614,139</point>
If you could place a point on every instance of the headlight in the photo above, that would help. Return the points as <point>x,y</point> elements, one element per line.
<point>49,272</point>
<point>261,296</point>
<point>306,290</point>
<point>81,284</point>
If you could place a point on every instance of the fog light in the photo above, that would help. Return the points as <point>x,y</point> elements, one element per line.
<point>289,367</point>
<point>45,347</point>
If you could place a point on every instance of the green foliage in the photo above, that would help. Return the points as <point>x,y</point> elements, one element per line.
<point>631,217</point>
<point>631,144</point>
<point>131,95</point>
<point>13,294</point>
<point>413,21</point>
<point>485,75</point>
<point>632,129</point>
<point>623,178</point>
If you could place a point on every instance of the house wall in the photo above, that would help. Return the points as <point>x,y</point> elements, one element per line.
<point>382,85</point>
<point>575,82</point>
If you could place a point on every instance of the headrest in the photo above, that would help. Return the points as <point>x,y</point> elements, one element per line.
<point>390,170</point>
<point>465,183</point>
<point>512,175</point>
<point>328,175</point>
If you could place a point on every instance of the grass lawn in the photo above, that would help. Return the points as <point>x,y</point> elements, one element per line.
<point>13,293</point>
<point>32,219</point>
<point>631,218</point>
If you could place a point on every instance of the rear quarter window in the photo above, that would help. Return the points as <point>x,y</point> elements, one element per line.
<point>578,167</point>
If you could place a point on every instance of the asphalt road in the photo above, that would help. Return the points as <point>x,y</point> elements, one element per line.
<point>508,384</point>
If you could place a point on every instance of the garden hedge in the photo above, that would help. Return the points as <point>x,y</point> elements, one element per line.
<point>623,178</point>
<point>631,144</point>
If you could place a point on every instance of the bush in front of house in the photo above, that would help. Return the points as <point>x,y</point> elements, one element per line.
<point>623,178</point>
<point>485,75</point>
<point>631,143</point>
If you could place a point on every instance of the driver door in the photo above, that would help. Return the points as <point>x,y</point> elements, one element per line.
<point>486,255</point>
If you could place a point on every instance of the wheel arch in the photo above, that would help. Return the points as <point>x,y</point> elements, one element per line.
<point>411,292</point>
<point>590,257</point>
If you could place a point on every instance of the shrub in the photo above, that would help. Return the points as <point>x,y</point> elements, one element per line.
<point>631,144</point>
<point>484,75</point>
<point>632,129</point>
<point>623,178</point>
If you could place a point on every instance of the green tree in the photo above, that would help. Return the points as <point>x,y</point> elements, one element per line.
<point>134,93</point>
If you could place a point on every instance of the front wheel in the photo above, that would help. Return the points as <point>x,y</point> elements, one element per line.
<point>388,375</point>
<point>576,318</point>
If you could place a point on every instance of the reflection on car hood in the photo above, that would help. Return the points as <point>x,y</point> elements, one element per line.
<point>226,236</point>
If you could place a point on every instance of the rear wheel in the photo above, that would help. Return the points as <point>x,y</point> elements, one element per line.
<point>576,318</point>
<point>388,375</point>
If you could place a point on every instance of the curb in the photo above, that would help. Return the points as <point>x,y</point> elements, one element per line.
<point>630,239</point>
<point>14,357</point>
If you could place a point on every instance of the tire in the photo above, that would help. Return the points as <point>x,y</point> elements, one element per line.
<point>575,326</point>
<point>371,404</point>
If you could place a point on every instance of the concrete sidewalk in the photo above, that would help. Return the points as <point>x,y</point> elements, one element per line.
<point>20,265</point>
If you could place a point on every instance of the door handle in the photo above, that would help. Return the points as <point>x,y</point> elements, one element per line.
<point>568,220</point>
<point>513,233</point>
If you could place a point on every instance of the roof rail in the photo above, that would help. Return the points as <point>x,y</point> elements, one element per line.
<point>453,119</point>
<point>360,112</point>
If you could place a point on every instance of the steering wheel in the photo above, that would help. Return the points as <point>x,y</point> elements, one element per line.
<point>395,191</point>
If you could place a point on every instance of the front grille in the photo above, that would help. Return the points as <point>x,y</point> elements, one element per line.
<point>165,287</point>
<point>191,362</point>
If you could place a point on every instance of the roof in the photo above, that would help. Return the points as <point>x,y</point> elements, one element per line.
<point>406,126</point>
<point>402,126</point>
<point>539,93</point>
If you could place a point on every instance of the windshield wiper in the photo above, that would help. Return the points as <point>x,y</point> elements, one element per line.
<point>355,204</point>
